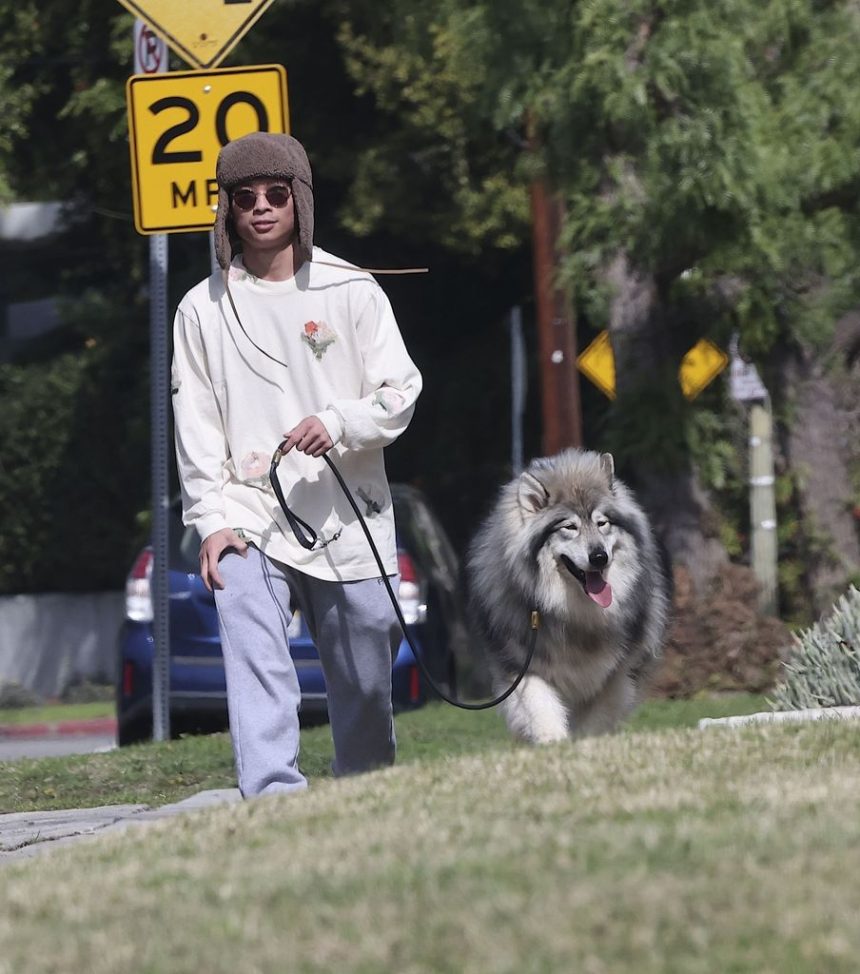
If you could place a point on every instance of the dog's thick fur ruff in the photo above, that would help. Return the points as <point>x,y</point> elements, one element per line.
<point>568,538</point>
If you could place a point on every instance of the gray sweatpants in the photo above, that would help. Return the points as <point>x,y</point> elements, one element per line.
<point>356,634</point>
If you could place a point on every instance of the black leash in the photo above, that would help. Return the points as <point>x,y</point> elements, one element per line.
<point>307,538</point>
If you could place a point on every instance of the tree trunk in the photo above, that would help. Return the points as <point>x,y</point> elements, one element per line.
<point>815,399</point>
<point>648,420</point>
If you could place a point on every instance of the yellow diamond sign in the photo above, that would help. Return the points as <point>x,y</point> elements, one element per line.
<point>700,366</point>
<point>203,32</point>
<point>597,363</point>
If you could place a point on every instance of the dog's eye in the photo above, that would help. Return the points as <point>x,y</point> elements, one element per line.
<point>569,526</point>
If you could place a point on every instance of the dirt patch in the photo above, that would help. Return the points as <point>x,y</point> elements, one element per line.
<point>720,642</point>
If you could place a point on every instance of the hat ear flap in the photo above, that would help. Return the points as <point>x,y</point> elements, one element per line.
<point>223,246</point>
<point>303,198</point>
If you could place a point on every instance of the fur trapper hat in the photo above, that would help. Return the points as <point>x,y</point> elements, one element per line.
<point>270,156</point>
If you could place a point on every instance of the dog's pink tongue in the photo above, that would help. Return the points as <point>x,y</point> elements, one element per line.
<point>598,589</point>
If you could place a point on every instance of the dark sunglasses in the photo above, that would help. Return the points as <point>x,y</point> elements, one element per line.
<point>276,196</point>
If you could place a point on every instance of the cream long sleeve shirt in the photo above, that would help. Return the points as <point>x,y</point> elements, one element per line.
<point>341,358</point>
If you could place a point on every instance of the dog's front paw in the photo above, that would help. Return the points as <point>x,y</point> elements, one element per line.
<point>547,735</point>
<point>534,713</point>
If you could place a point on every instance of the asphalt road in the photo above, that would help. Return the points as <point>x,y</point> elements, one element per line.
<point>45,747</point>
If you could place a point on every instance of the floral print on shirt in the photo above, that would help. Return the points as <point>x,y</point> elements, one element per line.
<point>254,469</point>
<point>388,400</point>
<point>318,336</point>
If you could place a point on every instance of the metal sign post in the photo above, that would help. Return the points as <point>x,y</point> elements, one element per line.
<point>747,388</point>
<point>159,353</point>
<point>151,58</point>
<point>763,545</point>
<point>518,388</point>
<point>177,125</point>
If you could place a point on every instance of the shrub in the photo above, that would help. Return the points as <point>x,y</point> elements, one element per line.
<point>88,691</point>
<point>74,468</point>
<point>13,695</point>
<point>823,669</point>
<point>719,642</point>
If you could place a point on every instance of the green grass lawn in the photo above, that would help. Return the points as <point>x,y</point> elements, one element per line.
<point>652,851</point>
<point>55,712</point>
<point>159,773</point>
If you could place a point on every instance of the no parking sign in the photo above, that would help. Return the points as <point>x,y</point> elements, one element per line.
<point>150,51</point>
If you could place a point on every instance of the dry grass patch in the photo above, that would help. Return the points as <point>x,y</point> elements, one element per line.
<point>649,852</point>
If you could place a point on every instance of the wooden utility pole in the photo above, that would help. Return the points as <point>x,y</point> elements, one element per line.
<point>559,378</point>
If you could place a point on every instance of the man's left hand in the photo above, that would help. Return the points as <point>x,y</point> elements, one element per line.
<point>310,436</point>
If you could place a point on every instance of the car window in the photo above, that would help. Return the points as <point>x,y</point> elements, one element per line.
<point>423,533</point>
<point>438,544</point>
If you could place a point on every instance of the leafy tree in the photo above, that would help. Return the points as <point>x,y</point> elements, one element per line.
<point>75,405</point>
<point>17,21</point>
<point>707,154</point>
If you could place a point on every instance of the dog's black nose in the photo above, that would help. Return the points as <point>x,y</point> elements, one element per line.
<point>598,558</point>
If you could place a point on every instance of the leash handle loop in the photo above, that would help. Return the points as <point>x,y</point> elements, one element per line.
<point>305,534</point>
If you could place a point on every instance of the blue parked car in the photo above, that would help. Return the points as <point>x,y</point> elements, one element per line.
<point>429,596</point>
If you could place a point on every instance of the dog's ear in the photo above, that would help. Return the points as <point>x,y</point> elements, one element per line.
<point>607,465</point>
<point>531,493</point>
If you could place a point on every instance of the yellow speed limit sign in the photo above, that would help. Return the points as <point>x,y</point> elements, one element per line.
<point>178,123</point>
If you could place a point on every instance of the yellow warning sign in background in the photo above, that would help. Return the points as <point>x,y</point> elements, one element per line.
<point>203,32</point>
<point>597,363</point>
<point>699,367</point>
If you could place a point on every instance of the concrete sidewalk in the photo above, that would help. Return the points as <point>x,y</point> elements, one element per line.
<point>27,834</point>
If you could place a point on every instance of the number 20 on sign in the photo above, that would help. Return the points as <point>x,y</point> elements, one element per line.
<point>178,123</point>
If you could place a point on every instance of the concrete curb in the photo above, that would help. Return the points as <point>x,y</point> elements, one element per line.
<point>95,725</point>
<point>782,717</point>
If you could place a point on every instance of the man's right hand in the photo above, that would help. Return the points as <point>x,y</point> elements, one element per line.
<point>210,554</point>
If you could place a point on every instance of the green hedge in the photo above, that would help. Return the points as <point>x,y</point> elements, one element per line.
<point>74,468</point>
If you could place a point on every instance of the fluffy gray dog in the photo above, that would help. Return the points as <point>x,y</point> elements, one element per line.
<point>566,538</point>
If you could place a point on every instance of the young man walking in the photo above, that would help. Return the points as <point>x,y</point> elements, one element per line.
<point>290,343</point>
